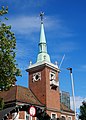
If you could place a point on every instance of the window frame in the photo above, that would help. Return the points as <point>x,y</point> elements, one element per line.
<point>54,114</point>
<point>64,116</point>
<point>69,117</point>
<point>26,114</point>
<point>52,73</point>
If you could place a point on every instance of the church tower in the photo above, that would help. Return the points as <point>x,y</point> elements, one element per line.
<point>43,77</point>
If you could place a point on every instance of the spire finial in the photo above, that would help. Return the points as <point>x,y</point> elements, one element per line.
<point>42,55</point>
<point>41,15</point>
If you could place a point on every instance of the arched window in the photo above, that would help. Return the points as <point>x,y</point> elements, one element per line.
<point>69,118</point>
<point>63,118</point>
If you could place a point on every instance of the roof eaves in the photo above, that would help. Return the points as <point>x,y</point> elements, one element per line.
<point>67,109</point>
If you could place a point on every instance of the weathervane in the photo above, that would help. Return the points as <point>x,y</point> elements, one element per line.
<point>41,15</point>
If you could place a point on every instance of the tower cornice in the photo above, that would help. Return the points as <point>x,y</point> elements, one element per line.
<point>41,65</point>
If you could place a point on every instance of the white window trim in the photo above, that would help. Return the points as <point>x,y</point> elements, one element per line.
<point>53,73</point>
<point>35,118</point>
<point>15,116</point>
<point>29,115</point>
<point>34,75</point>
<point>53,113</point>
<point>64,116</point>
<point>70,117</point>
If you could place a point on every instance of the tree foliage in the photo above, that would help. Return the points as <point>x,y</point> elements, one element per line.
<point>82,115</point>
<point>8,66</point>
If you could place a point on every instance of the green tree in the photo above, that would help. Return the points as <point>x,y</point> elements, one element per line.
<point>8,66</point>
<point>82,115</point>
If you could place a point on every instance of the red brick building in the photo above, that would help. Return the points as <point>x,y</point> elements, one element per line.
<point>43,92</point>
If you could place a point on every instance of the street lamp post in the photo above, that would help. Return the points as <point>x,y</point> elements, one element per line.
<point>71,76</point>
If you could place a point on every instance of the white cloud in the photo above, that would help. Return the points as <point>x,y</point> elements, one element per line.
<point>81,68</point>
<point>67,46</point>
<point>28,24</point>
<point>78,101</point>
<point>24,24</point>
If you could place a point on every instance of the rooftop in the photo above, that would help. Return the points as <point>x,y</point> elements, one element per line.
<point>20,94</point>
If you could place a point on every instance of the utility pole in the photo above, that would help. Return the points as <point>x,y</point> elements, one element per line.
<point>71,76</point>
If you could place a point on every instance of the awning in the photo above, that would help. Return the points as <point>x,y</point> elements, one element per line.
<point>5,111</point>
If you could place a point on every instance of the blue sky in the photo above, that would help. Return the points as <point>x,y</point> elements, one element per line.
<point>65,27</point>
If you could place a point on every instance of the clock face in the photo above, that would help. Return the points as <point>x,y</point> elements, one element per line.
<point>36,76</point>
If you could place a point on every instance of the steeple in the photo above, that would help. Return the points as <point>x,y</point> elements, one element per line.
<point>42,55</point>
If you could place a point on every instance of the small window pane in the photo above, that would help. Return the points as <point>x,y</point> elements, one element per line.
<point>53,117</point>
<point>69,118</point>
<point>63,118</point>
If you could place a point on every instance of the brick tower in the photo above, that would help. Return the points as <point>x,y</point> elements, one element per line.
<point>43,77</point>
